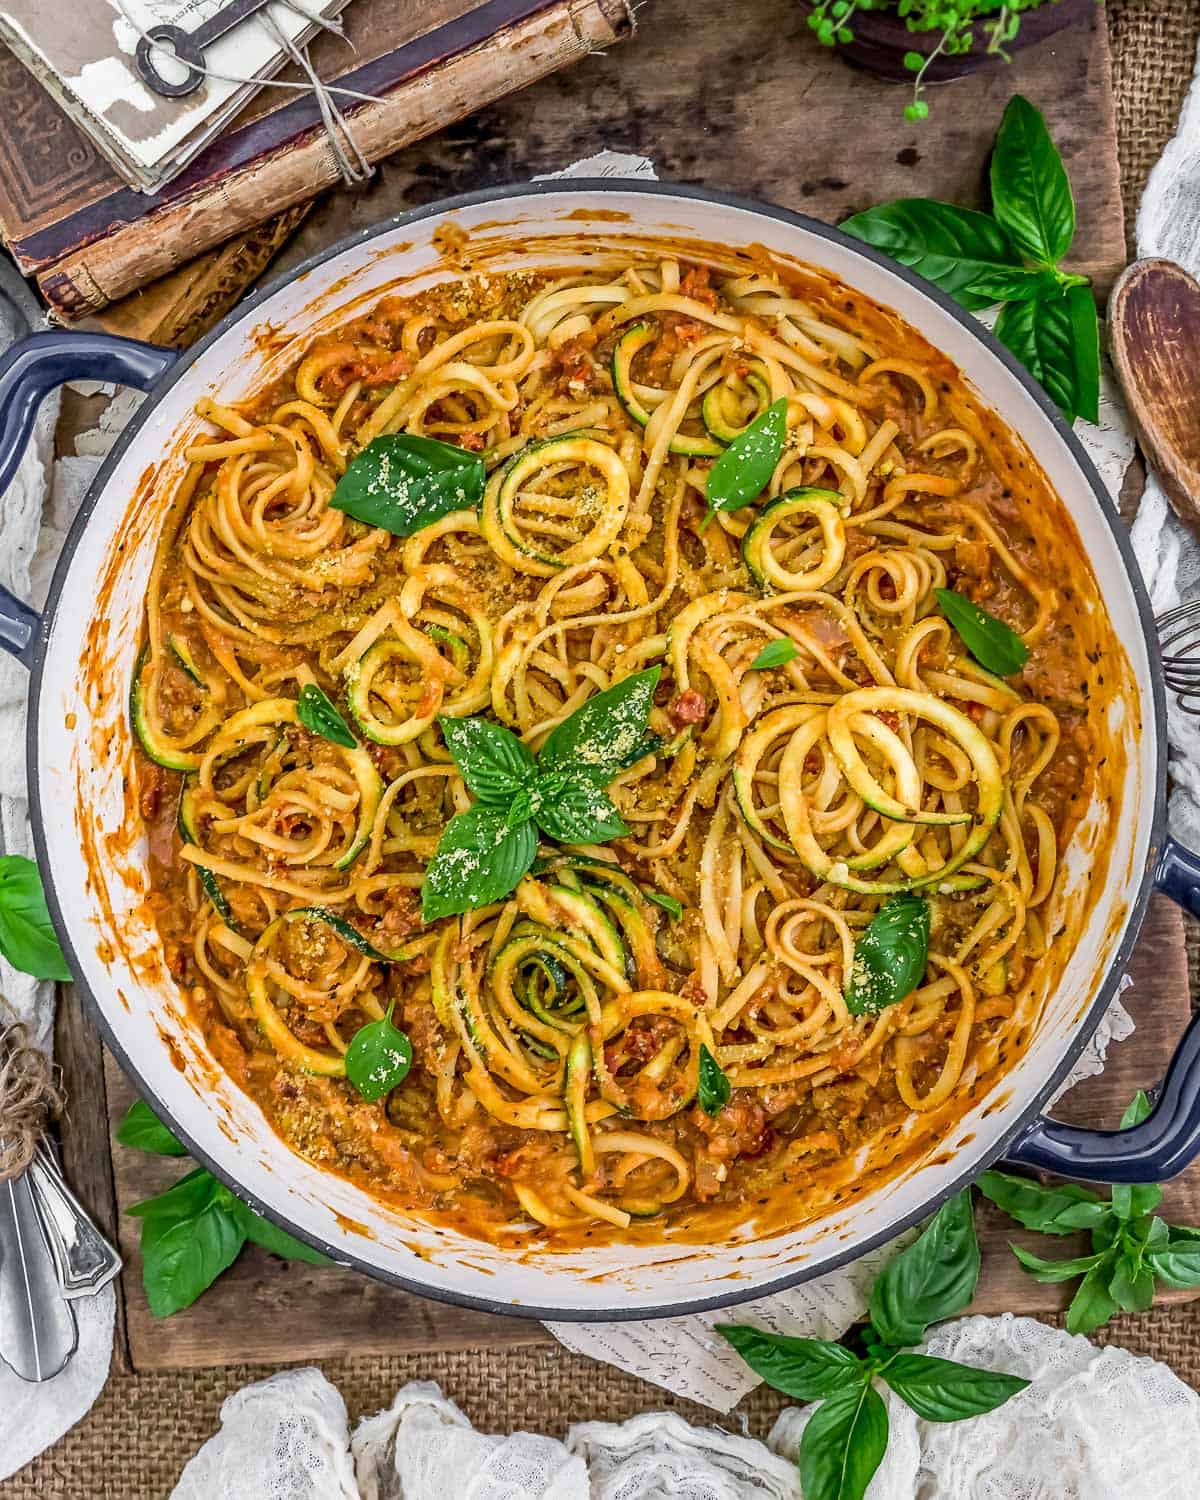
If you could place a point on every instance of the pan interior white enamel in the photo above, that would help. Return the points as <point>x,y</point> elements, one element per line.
<point>82,778</point>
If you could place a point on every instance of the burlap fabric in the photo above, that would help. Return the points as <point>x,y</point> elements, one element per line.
<point>143,1429</point>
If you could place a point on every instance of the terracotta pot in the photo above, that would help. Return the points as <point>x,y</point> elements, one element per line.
<point>881,39</point>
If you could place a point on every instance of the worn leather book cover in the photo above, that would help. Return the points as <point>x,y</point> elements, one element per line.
<point>67,218</point>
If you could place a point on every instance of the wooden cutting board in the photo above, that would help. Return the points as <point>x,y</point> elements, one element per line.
<point>733,95</point>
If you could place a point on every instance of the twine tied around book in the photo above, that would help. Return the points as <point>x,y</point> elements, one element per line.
<point>353,166</point>
<point>29,1096</point>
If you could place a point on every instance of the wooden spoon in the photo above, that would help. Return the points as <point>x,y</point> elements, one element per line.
<point>1154,326</point>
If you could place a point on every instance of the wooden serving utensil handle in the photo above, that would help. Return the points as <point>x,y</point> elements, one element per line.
<point>1154,326</point>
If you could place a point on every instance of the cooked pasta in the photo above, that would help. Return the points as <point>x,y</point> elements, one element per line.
<point>671,1030</point>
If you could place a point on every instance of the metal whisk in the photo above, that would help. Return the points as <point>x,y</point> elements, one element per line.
<point>1179,640</point>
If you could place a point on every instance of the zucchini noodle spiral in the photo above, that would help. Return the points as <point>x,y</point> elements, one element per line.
<point>560,1034</point>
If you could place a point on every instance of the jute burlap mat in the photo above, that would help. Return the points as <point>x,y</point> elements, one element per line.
<point>143,1429</point>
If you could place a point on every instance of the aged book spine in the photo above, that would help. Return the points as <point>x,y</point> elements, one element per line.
<point>100,273</point>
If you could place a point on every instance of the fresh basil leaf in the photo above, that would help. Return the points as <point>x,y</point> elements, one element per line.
<point>1050,1210</point>
<point>602,732</point>
<point>775,653</point>
<point>672,907</point>
<point>1031,194</point>
<point>494,763</point>
<point>1132,1283</point>
<point>941,1390</point>
<point>378,1057</point>
<point>403,482</point>
<point>1093,1304</point>
<point>581,813</point>
<point>714,1088</point>
<point>890,956</point>
<point>1137,1110</point>
<point>744,470</point>
<point>1085,341</point>
<point>142,1130</point>
<point>807,1369</point>
<point>1008,285</point>
<point>934,1278</point>
<point>965,253</point>
<point>843,1443</point>
<point>189,1236</point>
<point>278,1241</point>
<point>319,716</point>
<point>27,937</point>
<point>1042,336</point>
<point>479,858</point>
<point>1053,1271</point>
<point>993,644</point>
<point>1177,1263</point>
<point>1130,1200</point>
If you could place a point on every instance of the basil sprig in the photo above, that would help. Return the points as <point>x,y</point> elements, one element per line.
<point>196,1229</point>
<point>993,644</point>
<point>846,1437</point>
<point>1131,1247</point>
<point>890,956</point>
<point>27,938</point>
<point>318,715</point>
<point>403,482</point>
<point>744,470</point>
<point>775,653</point>
<point>1010,256</point>
<point>485,851</point>
<point>378,1057</point>
<point>715,1088</point>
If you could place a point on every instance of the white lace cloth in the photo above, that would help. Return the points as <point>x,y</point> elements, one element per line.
<point>1095,1424</point>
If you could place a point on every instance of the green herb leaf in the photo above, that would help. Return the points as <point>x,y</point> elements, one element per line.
<point>1085,341</point>
<point>744,470</point>
<point>278,1241</point>
<point>1093,1304</point>
<point>672,907</point>
<point>1054,1271</point>
<point>378,1057</point>
<point>319,716</point>
<point>714,1089</point>
<point>843,1444</point>
<point>1050,1210</point>
<point>965,253</point>
<point>1132,1283</point>
<point>189,1236</point>
<point>600,735</point>
<point>1042,336</point>
<point>1130,1200</point>
<point>1177,1263</point>
<point>775,653</point>
<point>403,482</point>
<point>934,1278</point>
<point>494,763</point>
<point>807,1369</point>
<point>142,1130</point>
<point>941,1390</point>
<point>27,937</point>
<point>990,641</point>
<point>1137,1110</point>
<point>581,813</point>
<point>890,956</point>
<point>479,859</point>
<point>1031,194</point>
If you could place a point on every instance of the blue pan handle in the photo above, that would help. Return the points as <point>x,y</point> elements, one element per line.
<point>28,373</point>
<point>1169,1138</point>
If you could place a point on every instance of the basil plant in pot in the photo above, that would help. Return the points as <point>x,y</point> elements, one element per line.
<point>935,41</point>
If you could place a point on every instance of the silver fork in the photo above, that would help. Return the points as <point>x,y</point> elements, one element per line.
<point>1179,641</point>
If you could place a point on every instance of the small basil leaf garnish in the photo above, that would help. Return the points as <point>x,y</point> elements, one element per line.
<point>934,1278</point>
<point>775,654</point>
<point>843,1444</point>
<point>378,1057</point>
<point>993,644</point>
<point>603,732</point>
<point>1031,193</point>
<point>672,907</point>
<point>403,482</point>
<point>318,715</point>
<point>142,1130</point>
<point>1085,347</point>
<point>808,1369</point>
<point>479,858</point>
<point>1177,1263</point>
<point>890,956</point>
<point>1137,1110</point>
<point>27,937</point>
<point>581,813</point>
<point>942,1390</point>
<point>189,1236</point>
<point>1093,1304</point>
<point>1060,1209</point>
<point>494,763</point>
<point>714,1087</point>
<point>744,470</point>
